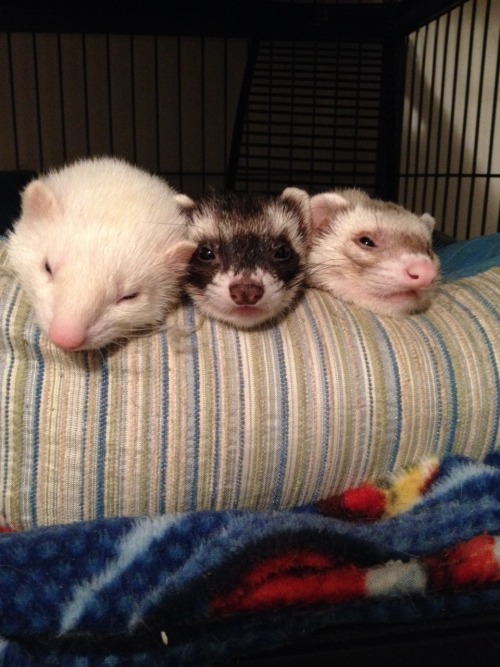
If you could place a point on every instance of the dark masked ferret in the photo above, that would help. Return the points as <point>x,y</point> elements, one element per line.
<point>372,253</point>
<point>249,264</point>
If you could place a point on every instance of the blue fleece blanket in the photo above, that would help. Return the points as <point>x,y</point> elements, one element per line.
<point>467,258</point>
<point>192,588</point>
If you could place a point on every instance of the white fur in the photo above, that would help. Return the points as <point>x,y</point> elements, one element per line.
<point>107,230</point>
<point>216,301</point>
<point>374,278</point>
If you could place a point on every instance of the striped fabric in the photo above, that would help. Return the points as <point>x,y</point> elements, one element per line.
<point>204,416</point>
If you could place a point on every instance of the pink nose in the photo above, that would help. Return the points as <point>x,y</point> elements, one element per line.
<point>420,273</point>
<point>246,293</point>
<point>65,337</point>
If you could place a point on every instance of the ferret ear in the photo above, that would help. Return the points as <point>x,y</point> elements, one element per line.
<point>428,220</point>
<point>38,201</point>
<point>180,253</point>
<point>184,201</point>
<point>296,194</point>
<point>325,208</point>
<point>298,197</point>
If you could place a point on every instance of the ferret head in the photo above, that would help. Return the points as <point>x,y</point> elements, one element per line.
<point>100,250</point>
<point>372,253</point>
<point>249,264</point>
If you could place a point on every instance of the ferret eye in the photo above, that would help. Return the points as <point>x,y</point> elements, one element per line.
<point>47,268</point>
<point>282,253</point>
<point>129,297</point>
<point>367,242</point>
<point>205,254</point>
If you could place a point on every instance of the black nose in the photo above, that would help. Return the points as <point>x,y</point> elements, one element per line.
<point>246,294</point>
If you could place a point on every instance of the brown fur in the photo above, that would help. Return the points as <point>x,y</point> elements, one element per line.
<point>372,253</point>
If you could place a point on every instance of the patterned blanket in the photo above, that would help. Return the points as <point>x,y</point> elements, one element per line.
<point>192,588</point>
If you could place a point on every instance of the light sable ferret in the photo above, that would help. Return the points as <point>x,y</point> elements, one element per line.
<point>249,264</point>
<point>100,248</point>
<point>372,253</point>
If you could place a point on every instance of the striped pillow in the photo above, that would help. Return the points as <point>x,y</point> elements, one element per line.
<point>203,416</point>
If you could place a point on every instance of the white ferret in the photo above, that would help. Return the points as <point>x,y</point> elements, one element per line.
<point>100,248</point>
<point>372,253</point>
<point>249,266</point>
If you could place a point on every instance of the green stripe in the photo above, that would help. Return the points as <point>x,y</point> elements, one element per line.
<point>18,475</point>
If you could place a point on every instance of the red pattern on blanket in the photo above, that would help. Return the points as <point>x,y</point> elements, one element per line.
<point>310,577</point>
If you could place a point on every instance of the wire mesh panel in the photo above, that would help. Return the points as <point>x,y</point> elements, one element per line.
<point>165,103</point>
<point>310,117</point>
<point>317,101</point>
<point>450,162</point>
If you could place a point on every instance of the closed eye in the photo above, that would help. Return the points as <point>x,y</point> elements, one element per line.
<point>129,297</point>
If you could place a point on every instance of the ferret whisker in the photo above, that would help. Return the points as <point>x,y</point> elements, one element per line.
<point>100,352</point>
<point>320,267</point>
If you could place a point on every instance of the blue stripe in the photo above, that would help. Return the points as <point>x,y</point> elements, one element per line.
<point>217,424</point>
<point>494,368</point>
<point>101,437</point>
<point>129,549</point>
<point>397,396</point>
<point>479,296</point>
<point>192,413</point>
<point>40,366</point>
<point>365,459</point>
<point>85,421</point>
<point>284,420</point>
<point>241,425</point>
<point>325,407</point>
<point>164,417</point>
<point>452,396</point>
<point>414,322</point>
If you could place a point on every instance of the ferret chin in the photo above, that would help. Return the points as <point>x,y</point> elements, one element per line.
<point>249,264</point>
<point>375,254</point>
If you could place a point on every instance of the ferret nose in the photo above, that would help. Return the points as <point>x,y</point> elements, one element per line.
<point>420,273</point>
<point>65,337</point>
<point>246,293</point>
